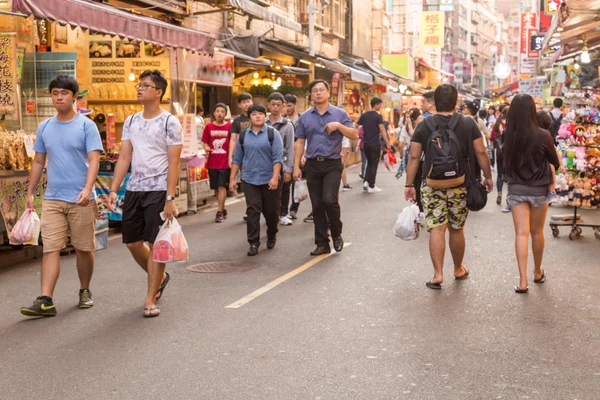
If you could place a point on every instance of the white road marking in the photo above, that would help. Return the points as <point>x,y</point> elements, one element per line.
<point>273,284</point>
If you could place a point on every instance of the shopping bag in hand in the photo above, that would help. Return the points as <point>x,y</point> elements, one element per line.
<point>170,244</point>
<point>386,161</point>
<point>391,157</point>
<point>407,225</point>
<point>300,191</point>
<point>26,230</point>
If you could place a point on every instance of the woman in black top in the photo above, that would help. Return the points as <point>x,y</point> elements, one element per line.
<point>528,153</point>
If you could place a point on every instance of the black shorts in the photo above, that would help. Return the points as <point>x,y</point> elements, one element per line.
<point>141,215</point>
<point>219,178</point>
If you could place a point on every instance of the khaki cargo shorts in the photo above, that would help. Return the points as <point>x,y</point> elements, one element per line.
<point>61,219</point>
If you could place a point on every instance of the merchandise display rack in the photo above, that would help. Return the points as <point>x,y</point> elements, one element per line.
<point>579,146</point>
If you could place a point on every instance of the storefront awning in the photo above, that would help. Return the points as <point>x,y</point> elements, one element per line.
<point>100,18</point>
<point>296,70</point>
<point>333,65</point>
<point>357,75</point>
<point>277,46</point>
<point>381,70</point>
<point>425,64</point>
<point>261,12</point>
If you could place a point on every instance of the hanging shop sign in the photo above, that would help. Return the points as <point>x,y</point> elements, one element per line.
<point>432,29</point>
<point>528,26</point>
<point>215,70</point>
<point>552,6</point>
<point>535,45</point>
<point>447,5</point>
<point>8,78</point>
<point>527,65</point>
<point>337,89</point>
<point>533,87</point>
<point>190,138</point>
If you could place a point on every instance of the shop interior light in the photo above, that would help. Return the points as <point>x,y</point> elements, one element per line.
<point>319,65</point>
<point>560,29</point>
<point>585,53</point>
<point>132,77</point>
<point>305,62</point>
<point>255,75</point>
<point>266,80</point>
<point>576,66</point>
<point>556,34</point>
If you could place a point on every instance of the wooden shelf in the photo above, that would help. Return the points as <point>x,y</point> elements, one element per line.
<point>111,101</point>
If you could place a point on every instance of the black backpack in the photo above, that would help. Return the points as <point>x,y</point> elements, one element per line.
<point>555,126</point>
<point>270,133</point>
<point>445,166</point>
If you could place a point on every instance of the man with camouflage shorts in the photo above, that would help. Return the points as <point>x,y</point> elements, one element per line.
<point>446,209</point>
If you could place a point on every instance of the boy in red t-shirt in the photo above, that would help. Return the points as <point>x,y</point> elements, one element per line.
<point>216,143</point>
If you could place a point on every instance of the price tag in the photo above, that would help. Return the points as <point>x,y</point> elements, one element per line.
<point>28,145</point>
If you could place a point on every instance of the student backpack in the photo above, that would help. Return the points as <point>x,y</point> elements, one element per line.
<point>445,167</point>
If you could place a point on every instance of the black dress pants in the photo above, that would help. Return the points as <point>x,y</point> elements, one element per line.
<point>286,189</point>
<point>259,199</point>
<point>323,179</point>
<point>372,151</point>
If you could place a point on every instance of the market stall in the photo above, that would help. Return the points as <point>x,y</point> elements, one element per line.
<point>579,147</point>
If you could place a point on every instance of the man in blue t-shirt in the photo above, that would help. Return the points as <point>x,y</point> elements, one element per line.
<point>71,143</point>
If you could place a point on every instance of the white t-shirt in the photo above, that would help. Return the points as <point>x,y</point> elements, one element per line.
<point>151,139</point>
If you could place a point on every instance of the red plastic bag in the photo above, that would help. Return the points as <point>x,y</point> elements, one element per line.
<point>26,230</point>
<point>392,157</point>
<point>170,244</point>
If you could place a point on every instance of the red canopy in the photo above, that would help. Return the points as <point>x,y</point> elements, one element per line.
<point>100,18</point>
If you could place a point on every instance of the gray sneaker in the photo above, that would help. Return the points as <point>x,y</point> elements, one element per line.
<point>40,308</point>
<point>85,299</point>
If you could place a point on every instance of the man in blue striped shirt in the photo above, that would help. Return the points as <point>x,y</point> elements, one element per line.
<point>259,153</point>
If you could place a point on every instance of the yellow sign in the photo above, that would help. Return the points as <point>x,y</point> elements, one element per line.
<point>8,78</point>
<point>432,29</point>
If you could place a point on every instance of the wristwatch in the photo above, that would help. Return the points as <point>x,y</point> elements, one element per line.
<point>169,198</point>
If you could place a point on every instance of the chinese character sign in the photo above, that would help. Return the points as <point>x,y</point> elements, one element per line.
<point>528,26</point>
<point>552,6</point>
<point>8,78</point>
<point>190,139</point>
<point>432,29</point>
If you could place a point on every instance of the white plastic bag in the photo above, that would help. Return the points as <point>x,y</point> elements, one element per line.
<point>407,225</point>
<point>300,191</point>
<point>26,230</point>
<point>170,244</point>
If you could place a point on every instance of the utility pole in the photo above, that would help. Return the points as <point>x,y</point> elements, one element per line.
<point>312,10</point>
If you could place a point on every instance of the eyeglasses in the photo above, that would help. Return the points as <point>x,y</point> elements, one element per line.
<point>144,86</point>
<point>319,90</point>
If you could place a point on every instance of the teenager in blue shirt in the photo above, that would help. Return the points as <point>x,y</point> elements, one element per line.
<point>259,159</point>
<point>71,143</point>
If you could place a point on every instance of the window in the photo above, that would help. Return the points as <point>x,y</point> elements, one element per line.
<point>463,11</point>
<point>338,17</point>
<point>462,33</point>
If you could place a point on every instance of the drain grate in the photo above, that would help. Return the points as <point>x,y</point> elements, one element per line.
<point>221,267</point>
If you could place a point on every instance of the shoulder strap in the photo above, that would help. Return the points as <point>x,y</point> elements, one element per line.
<point>242,136</point>
<point>271,134</point>
<point>131,119</point>
<point>454,121</point>
<point>167,124</point>
<point>552,116</point>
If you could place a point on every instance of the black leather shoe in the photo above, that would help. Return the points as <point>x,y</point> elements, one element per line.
<point>320,250</point>
<point>253,250</point>
<point>338,244</point>
<point>271,243</point>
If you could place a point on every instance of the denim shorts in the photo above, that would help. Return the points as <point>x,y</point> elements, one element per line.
<point>514,200</point>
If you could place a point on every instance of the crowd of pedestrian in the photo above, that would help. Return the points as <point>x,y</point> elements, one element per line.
<point>443,148</point>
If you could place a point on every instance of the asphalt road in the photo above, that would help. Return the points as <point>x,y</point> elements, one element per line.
<point>357,325</point>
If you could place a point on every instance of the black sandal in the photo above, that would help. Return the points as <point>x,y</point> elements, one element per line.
<point>463,276</point>
<point>434,286</point>
<point>521,291</point>
<point>542,278</point>
<point>163,286</point>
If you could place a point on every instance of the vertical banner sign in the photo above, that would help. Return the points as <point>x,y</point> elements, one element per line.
<point>111,121</point>
<point>8,78</point>
<point>533,52</point>
<point>190,139</point>
<point>545,18</point>
<point>335,85</point>
<point>432,29</point>
<point>528,25</point>
<point>551,6</point>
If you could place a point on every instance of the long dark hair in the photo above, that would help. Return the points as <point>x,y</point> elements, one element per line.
<point>497,124</point>
<point>520,126</point>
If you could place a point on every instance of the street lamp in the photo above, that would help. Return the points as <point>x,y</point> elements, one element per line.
<point>312,10</point>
